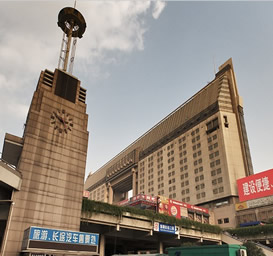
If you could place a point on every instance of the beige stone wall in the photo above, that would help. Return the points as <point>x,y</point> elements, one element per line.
<point>53,169</point>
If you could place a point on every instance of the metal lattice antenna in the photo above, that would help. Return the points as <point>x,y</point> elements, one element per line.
<point>73,25</point>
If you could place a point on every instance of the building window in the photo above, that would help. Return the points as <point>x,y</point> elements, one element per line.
<point>220,221</point>
<point>212,125</point>
<point>226,121</point>
<point>226,220</point>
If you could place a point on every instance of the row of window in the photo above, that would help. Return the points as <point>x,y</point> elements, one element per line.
<point>171,174</point>
<point>172,195</point>
<point>221,221</point>
<point>185,191</point>
<point>161,192</point>
<point>170,147</point>
<point>197,154</point>
<point>210,139</point>
<point>218,190</point>
<point>200,186</point>
<point>199,195</point>
<point>198,178</point>
<point>200,169</point>
<point>215,163</point>
<point>214,172</point>
<point>172,188</point>
<point>150,177</point>
<point>184,183</point>
<point>195,139</point>
<point>216,181</point>
<point>186,199</point>
<point>181,154</point>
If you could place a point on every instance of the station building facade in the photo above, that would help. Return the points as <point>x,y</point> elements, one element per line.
<point>194,155</point>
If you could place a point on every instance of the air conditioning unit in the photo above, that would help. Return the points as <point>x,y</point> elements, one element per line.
<point>241,252</point>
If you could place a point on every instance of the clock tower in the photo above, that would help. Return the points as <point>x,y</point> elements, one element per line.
<point>54,147</point>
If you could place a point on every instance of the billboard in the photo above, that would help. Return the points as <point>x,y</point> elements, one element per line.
<point>254,203</point>
<point>255,186</point>
<point>176,208</point>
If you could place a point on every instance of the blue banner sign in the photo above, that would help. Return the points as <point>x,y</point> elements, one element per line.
<point>163,227</point>
<point>62,236</point>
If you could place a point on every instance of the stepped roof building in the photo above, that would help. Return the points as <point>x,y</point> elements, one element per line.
<point>195,154</point>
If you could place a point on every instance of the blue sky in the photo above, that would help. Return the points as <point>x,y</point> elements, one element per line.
<point>139,61</point>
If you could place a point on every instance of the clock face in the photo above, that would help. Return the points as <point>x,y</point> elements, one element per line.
<point>61,121</point>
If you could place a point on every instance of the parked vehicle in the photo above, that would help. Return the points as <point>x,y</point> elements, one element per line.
<point>208,250</point>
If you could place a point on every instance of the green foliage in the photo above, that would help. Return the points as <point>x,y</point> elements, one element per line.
<point>252,231</point>
<point>253,250</point>
<point>90,206</point>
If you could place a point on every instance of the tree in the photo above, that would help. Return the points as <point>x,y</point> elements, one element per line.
<point>252,249</point>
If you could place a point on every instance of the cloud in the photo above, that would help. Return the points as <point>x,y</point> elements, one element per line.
<point>31,40</point>
<point>158,8</point>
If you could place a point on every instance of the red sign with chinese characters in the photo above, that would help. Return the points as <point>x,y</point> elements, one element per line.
<point>255,186</point>
<point>175,208</point>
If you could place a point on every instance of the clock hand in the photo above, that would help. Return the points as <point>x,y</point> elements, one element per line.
<point>59,118</point>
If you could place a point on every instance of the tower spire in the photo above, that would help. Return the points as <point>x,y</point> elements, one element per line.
<point>73,25</point>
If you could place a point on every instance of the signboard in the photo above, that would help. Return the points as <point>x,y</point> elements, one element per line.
<point>241,206</point>
<point>165,228</point>
<point>86,193</point>
<point>38,237</point>
<point>176,208</point>
<point>255,186</point>
<point>147,198</point>
<point>254,203</point>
